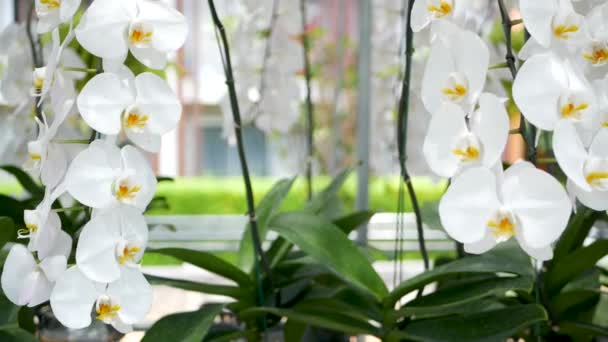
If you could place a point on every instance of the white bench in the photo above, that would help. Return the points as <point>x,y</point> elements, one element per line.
<point>223,233</point>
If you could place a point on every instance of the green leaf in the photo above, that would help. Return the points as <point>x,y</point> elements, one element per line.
<point>26,319</point>
<point>8,311</point>
<point>320,203</point>
<point>12,208</point>
<point>489,326</point>
<point>575,233</point>
<point>582,328</point>
<point>15,334</point>
<point>222,290</point>
<point>7,230</point>
<point>327,245</point>
<point>575,264</point>
<point>294,330</point>
<point>437,303</point>
<point>571,300</point>
<point>208,262</point>
<point>185,326</point>
<point>335,321</point>
<point>492,262</point>
<point>353,221</point>
<point>24,179</point>
<point>269,204</point>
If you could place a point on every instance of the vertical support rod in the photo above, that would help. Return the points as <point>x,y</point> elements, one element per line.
<point>363,108</point>
<point>310,118</point>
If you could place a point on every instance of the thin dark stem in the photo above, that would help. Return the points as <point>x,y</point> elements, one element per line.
<point>528,131</point>
<point>225,52</point>
<point>402,122</point>
<point>309,106</point>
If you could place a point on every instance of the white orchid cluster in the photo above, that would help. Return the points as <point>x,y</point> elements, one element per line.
<point>561,87</point>
<point>116,183</point>
<point>267,60</point>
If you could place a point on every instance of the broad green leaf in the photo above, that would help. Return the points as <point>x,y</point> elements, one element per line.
<point>269,204</point>
<point>575,264</point>
<point>570,300</point>
<point>15,334</point>
<point>294,330</point>
<point>223,290</point>
<point>489,326</point>
<point>24,179</point>
<point>26,319</point>
<point>326,244</point>
<point>7,230</point>
<point>323,200</point>
<point>441,301</point>
<point>353,221</point>
<point>582,329</point>
<point>335,321</point>
<point>8,311</point>
<point>208,262</point>
<point>185,326</point>
<point>320,204</point>
<point>575,233</point>
<point>493,262</point>
<point>12,208</point>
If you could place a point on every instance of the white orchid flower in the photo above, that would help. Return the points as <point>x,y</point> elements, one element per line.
<point>144,109</point>
<point>43,227</point>
<point>104,176</point>
<point>113,239</point>
<point>47,159</point>
<point>452,145</point>
<point>424,12</point>
<point>586,168</point>
<point>149,29</point>
<point>45,77</point>
<point>548,90</point>
<point>594,52</point>
<point>553,24</point>
<point>27,282</point>
<point>52,13</point>
<point>456,69</point>
<point>482,209</point>
<point>121,303</point>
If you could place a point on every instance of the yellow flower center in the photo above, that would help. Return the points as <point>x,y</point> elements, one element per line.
<point>504,228</point>
<point>38,82</point>
<point>31,227</point>
<point>572,111</point>
<point>128,254</point>
<point>605,124</point>
<point>134,120</point>
<point>455,93</point>
<point>563,31</point>
<point>594,178</point>
<point>51,4</point>
<point>598,56</point>
<point>469,154</point>
<point>107,311</point>
<point>442,10</point>
<point>35,156</point>
<point>140,36</point>
<point>125,192</point>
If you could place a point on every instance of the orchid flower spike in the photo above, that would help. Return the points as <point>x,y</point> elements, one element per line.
<point>120,303</point>
<point>456,69</point>
<point>48,159</point>
<point>586,168</point>
<point>27,282</point>
<point>113,239</point>
<point>43,228</point>
<point>148,29</point>
<point>482,209</point>
<point>452,145</point>
<point>553,24</point>
<point>52,13</point>
<point>144,108</point>
<point>565,94</point>
<point>104,176</point>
